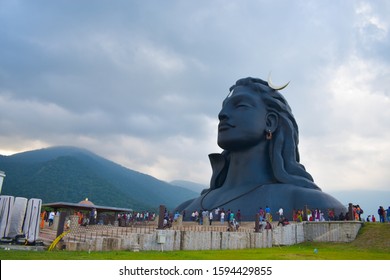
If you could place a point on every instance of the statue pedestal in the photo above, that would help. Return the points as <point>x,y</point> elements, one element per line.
<point>206,221</point>
<point>179,220</point>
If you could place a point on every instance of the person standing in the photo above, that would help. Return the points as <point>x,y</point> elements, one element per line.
<point>210,217</point>
<point>228,215</point>
<point>280,213</point>
<point>330,214</point>
<point>261,214</point>
<point>231,216</point>
<point>92,218</point>
<point>238,216</point>
<point>381,213</point>
<point>359,212</point>
<point>388,214</point>
<point>216,213</point>
<point>51,218</point>
<point>267,213</point>
<point>317,215</point>
<point>222,217</point>
<point>42,224</point>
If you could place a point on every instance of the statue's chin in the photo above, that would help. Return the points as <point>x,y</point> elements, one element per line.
<point>235,145</point>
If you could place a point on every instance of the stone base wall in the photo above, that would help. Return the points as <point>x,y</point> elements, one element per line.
<point>175,240</point>
<point>288,235</point>
<point>331,231</point>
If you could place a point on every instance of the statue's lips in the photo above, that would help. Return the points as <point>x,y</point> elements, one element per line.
<point>225,126</point>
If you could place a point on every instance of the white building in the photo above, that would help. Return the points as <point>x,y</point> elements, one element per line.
<point>2,175</point>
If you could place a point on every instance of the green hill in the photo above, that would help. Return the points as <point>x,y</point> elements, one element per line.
<point>373,236</point>
<point>71,174</point>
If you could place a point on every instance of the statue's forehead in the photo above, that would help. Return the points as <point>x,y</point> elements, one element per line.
<point>242,91</point>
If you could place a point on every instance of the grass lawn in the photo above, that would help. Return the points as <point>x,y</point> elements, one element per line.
<point>372,243</point>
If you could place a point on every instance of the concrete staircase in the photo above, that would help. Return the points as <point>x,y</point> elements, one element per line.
<point>47,235</point>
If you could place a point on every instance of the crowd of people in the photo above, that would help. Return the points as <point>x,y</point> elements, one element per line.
<point>357,211</point>
<point>383,214</point>
<point>265,215</point>
<point>136,217</point>
<point>318,215</point>
<point>218,215</point>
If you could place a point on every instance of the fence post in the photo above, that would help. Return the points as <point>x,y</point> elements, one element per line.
<point>161,217</point>
<point>257,222</point>
<point>350,212</point>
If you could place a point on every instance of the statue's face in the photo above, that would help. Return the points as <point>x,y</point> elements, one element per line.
<point>242,120</point>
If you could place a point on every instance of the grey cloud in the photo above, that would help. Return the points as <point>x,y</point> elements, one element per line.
<point>135,81</point>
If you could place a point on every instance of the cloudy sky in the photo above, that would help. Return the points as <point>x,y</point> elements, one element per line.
<point>141,82</point>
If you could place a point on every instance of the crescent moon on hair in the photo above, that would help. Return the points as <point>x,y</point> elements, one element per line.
<point>275,87</point>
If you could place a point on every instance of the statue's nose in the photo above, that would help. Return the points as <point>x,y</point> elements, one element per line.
<point>222,115</point>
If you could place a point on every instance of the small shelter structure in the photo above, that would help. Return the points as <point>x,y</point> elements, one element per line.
<point>102,214</point>
<point>85,205</point>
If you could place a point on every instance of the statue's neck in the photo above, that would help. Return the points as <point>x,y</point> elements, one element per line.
<point>249,168</point>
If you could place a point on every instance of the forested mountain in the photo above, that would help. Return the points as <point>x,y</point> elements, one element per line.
<point>198,188</point>
<point>70,174</point>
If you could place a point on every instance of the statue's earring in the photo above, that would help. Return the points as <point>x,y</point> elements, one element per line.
<point>268,135</point>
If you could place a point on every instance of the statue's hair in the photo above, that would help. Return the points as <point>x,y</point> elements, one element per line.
<point>283,148</point>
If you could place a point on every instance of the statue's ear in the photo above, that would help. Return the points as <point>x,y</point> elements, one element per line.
<point>272,120</point>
